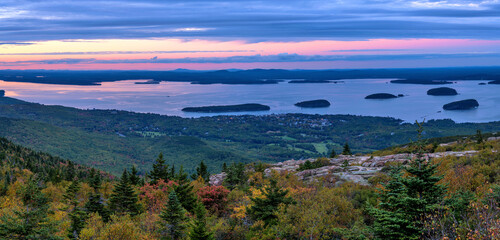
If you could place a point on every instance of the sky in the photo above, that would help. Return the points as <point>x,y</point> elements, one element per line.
<point>245,34</point>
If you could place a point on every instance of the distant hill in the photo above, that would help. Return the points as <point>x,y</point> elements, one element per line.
<point>46,166</point>
<point>253,76</point>
<point>112,140</point>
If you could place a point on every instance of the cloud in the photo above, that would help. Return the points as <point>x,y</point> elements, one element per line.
<point>284,57</point>
<point>111,52</point>
<point>250,20</point>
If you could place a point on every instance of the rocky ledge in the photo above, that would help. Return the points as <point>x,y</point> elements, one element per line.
<point>344,167</point>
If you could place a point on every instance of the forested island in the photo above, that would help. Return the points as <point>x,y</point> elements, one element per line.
<point>254,76</point>
<point>462,105</point>
<point>442,91</point>
<point>494,82</point>
<point>381,96</point>
<point>321,103</point>
<point>421,81</point>
<point>248,107</point>
<point>2,93</point>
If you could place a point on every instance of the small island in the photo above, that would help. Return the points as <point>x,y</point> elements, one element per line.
<point>320,103</point>
<point>442,91</point>
<point>381,96</point>
<point>149,82</point>
<point>494,82</point>
<point>2,93</point>
<point>462,105</point>
<point>249,107</point>
<point>421,81</point>
<point>310,81</point>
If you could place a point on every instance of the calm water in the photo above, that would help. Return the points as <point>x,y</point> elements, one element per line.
<point>346,98</point>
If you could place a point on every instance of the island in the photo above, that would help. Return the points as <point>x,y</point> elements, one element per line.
<point>149,82</point>
<point>310,81</point>
<point>494,82</point>
<point>381,96</point>
<point>442,91</point>
<point>462,105</point>
<point>421,81</point>
<point>320,103</point>
<point>2,93</point>
<point>249,107</point>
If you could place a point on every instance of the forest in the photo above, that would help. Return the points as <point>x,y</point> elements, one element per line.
<point>45,197</point>
<point>113,140</point>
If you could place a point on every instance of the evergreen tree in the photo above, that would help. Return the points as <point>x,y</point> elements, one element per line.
<point>479,137</point>
<point>265,208</point>
<point>160,170</point>
<point>407,201</point>
<point>123,199</point>
<point>199,230</point>
<point>76,214</point>
<point>224,167</point>
<point>174,215</point>
<point>201,171</point>
<point>235,175</point>
<point>347,149</point>
<point>32,222</point>
<point>70,171</point>
<point>184,190</point>
<point>95,202</point>
<point>333,153</point>
<point>133,177</point>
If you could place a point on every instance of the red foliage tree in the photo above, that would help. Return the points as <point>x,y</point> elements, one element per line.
<point>154,196</point>
<point>214,198</point>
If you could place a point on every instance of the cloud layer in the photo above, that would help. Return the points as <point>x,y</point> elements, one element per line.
<point>250,20</point>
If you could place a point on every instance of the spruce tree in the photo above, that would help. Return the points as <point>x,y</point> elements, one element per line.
<point>224,167</point>
<point>133,177</point>
<point>76,214</point>
<point>265,208</point>
<point>124,200</point>
<point>407,201</point>
<point>160,170</point>
<point>174,215</point>
<point>32,222</point>
<point>199,230</point>
<point>184,190</point>
<point>95,203</point>
<point>346,150</point>
<point>333,153</point>
<point>201,171</point>
<point>235,175</point>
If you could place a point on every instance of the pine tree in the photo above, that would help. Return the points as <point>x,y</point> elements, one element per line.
<point>199,230</point>
<point>95,203</point>
<point>201,171</point>
<point>391,220</point>
<point>479,137</point>
<point>347,149</point>
<point>184,190</point>
<point>174,215</point>
<point>224,167</point>
<point>265,208</point>
<point>76,214</point>
<point>407,201</point>
<point>333,153</point>
<point>235,175</point>
<point>70,171</point>
<point>32,222</point>
<point>133,177</point>
<point>123,199</point>
<point>160,170</point>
